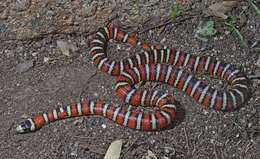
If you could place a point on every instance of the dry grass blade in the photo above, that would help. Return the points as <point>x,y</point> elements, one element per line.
<point>219,9</point>
<point>114,150</point>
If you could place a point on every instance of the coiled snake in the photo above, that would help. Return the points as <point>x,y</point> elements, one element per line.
<point>156,63</point>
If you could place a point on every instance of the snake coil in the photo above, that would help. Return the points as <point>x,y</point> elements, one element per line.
<point>156,63</point>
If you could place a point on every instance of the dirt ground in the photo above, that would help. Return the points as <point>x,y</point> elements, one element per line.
<point>57,80</point>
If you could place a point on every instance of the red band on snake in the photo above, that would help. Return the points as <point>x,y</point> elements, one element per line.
<point>156,63</point>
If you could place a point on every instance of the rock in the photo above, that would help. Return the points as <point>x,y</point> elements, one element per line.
<point>66,47</point>
<point>23,67</point>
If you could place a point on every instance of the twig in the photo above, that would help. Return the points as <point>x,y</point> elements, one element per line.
<point>110,20</point>
<point>237,125</point>
<point>187,141</point>
<point>86,85</point>
<point>156,26</point>
<point>129,147</point>
<point>169,21</point>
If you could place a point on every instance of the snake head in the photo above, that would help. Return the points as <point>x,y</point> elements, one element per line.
<point>26,126</point>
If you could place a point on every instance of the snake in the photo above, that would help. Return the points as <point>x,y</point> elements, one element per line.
<point>155,63</point>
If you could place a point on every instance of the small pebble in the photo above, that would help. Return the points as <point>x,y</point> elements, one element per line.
<point>96,94</point>
<point>150,32</point>
<point>34,54</point>
<point>244,7</point>
<point>79,121</point>
<point>250,125</point>
<point>205,112</point>
<point>55,130</point>
<point>227,32</point>
<point>104,126</point>
<point>163,40</point>
<point>46,59</point>
<point>73,153</point>
<point>168,150</point>
<point>152,141</point>
<point>225,125</point>
<point>118,47</point>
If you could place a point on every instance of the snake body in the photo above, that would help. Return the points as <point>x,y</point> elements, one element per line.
<point>156,63</point>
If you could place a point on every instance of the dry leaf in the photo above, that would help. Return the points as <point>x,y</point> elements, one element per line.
<point>150,155</point>
<point>114,150</point>
<point>219,9</point>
